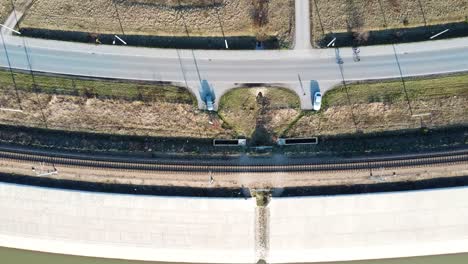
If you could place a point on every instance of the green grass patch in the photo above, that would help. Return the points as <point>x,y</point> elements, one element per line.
<point>241,98</point>
<point>108,89</point>
<point>239,107</point>
<point>283,98</point>
<point>393,92</point>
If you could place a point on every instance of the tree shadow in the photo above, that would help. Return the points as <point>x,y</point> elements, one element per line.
<point>262,136</point>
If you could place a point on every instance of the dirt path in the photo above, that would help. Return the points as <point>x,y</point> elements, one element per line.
<point>21,6</point>
<point>262,231</point>
<point>238,180</point>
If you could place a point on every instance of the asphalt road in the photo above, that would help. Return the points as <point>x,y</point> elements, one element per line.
<point>223,69</point>
<point>226,69</point>
<point>302,17</point>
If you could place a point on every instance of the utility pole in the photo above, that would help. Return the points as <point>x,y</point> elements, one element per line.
<point>221,25</point>
<point>7,56</point>
<point>383,14</point>
<point>28,59</point>
<point>116,37</point>
<point>405,91</point>
<point>340,63</point>
<point>118,18</point>
<point>320,19</point>
<point>422,12</point>
<point>193,52</point>
<point>301,85</point>
<point>402,80</point>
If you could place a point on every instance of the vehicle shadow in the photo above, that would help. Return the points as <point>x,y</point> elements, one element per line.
<point>314,87</point>
<point>207,92</point>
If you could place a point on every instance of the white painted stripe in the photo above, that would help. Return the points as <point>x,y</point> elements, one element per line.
<point>332,42</point>
<point>11,110</point>
<point>17,32</point>
<point>121,40</point>
<point>438,34</point>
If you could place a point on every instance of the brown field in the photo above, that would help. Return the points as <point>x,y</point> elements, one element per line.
<point>125,108</point>
<point>176,3</point>
<point>380,117</point>
<point>162,18</point>
<point>73,113</point>
<point>382,107</point>
<point>5,9</point>
<point>365,15</point>
<point>133,108</point>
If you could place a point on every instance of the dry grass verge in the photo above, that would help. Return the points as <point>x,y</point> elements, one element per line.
<point>5,9</point>
<point>164,18</point>
<point>379,107</point>
<point>178,3</point>
<point>362,16</point>
<point>122,108</point>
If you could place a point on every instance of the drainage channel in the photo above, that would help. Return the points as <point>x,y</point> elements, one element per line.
<point>262,223</point>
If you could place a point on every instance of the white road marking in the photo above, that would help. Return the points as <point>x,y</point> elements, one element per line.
<point>438,34</point>
<point>9,28</point>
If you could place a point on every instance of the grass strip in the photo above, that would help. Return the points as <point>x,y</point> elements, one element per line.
<point>106,89</point>
<point>392,91</point>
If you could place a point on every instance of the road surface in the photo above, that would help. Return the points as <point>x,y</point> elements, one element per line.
<point>226,69</point>
<point>302,35</point>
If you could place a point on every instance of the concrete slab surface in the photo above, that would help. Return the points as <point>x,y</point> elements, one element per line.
<point>374,226</point>
<point>127,227</point>
<point>306,229</point>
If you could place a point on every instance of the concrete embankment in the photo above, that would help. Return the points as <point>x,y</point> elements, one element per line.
<point>369,226</point>
<point>127,227</point>
<point>304,229</point>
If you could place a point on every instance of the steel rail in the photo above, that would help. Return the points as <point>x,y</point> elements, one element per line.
<point>450,157</point>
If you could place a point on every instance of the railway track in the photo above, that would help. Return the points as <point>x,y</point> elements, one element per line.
<point>430,159</point>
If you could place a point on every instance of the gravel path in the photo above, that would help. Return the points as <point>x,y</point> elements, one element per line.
<point>240,180</point>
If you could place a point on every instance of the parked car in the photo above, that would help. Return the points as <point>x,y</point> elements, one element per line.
<point>209,103</point>
<point>317,104</point>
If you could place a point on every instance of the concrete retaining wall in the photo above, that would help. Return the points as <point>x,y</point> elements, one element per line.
<point>127,227</point>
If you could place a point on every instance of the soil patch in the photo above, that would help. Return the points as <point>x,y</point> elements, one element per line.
<point>134,189</point>
<point>435,183</point>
